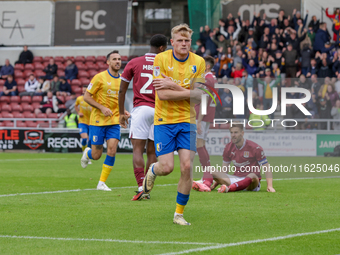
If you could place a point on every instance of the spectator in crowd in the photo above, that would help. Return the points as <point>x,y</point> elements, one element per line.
<point>55,84</point>
<point>324,109</point>
<point>280,19</point>
<point>64,87</point>
<point>291,61</point>
<point>227,104</point>
<point>71,70</point>
<point>306,57</point>
<point>303,82</point>
<point>71,101</point>
<point>336,21</point>
<point>315,85</point>
<point>259,122</point>
<point>10,87</point>
<point>324,70</point>
<point>332,94</point>
<point>321,37</point>
<point>71,120</point>
<point>336,31</point>
<point>335,112</point>
<point>314,24</point>
<point>6,70</point>
<point>30,86</point>
<point>237,72</point>
<point>200,48</point>
<point>51,69</point>
<point>313,67</point>
<point>43,87</point>
<point>48,105</point>
<point>337,85</point>
<point>26,56</point>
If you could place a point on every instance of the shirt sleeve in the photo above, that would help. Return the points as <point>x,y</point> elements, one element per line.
<point>94,85</point>
<point>77,101</point>
<point>127,74</point>
<point>158,68</point>
<point>260,155</point>
<point>226,153</point>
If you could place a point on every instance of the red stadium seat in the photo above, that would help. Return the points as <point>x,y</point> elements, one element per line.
<point>8,123</point>
<point>18,115</point>
<point>61,66</point>
<point>91,66</point>
<point>21,124</point>
<point>18,74</point>
<point>90,59</point>
<point>21,89</point>
<point>224,126</point>
<point>79,59</point>
<point>39,73</point>
<point>2,82</point>
<point>69,57</point>
<point>38,59</point>
<point>77,90</point>
<point>15,99</point>
<point>20,82</point>
<point>47,58</point>
<point>37,99</point>
<point>60,73</point>
<point>38,66</point>
<point>83,74</point>
<point>84,81</point>
<point>61,106</point>
<point>0,115</point>
<point>2,124</point>
<point>29,115</point>
<point>27,73</point>
<point>81,66</point>
<point>26,99</point>
<point>92,73</point>
<point>27,108</point>
<point>102,66</point>
<point>101,59</point>
<point>36,105</point>
<point>75,82</point>
<point>53,116</point>
<point>7,115</point>
<point>16,108</point>
<point>19,67</point>
<point>29,67</point>
<point>6,108</point>
<point>31,124</point>
<point>59,59</point>
<point>68,98</point>
<point>61,98</point>
<point>4,100</point>
<point>41,115</point>
<point>124,58</point>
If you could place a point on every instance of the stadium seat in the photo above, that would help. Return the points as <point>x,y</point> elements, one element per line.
<point>26,99</point>
<point>21,89</point>
<point>7,115</point>
<point>91,66</point>
<point>35,105</point>
<point>5,100</point>
<point>21,124</point>
<point>16,108</point>
<point>60,73</point>
<point>29,67</point>
<point>83,74</point>
<point>102,66</point>
<point>37,99</point>
<point>29,115</point>
<point>47,59</point>
<point>41,115</point>
<point>61,66</point>
<point>75,82</point>
<point>131,57</point>
<point>53,116</point>
<point>38,59</point>
<point>61,106</point>
<point>92,73</point>
<point>19,67</point>
<point>18,115</point>
<point>84,81</point>
<point>20,82</point>
<point>68,98</point>
<point>90,59</point>
<point>31,124</point>
<point>69,57</point>
<point>101,59</point>
<point>5,108</point>
<point>61,98</point>
<point>38,66</point>
<point>18,74</point>
<point>59,59</point>
<point>79,59</point>
<point>8,123</point>
<point>15,99</point>
<point>27,73</point>
<point>77,90</point>
<point>39,73</point>
<point>27,108</point>
<point>0,115</point>
<point>81,66</point>
<point>124,58</point>
<point>2,82</point>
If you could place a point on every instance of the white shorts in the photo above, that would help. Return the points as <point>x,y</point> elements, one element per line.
<point>205,130</point>
<point>234,179</point>
<point>141,126</point>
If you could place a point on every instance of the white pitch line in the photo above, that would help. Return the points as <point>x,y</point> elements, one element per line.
<point>30,159</point>
<point>105,240</point>
<point>72,190</point>
<point>251,242</point>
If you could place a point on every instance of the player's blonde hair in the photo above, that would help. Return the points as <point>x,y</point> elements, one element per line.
<point>184,29</point>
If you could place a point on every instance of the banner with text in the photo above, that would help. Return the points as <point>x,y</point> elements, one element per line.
<point>90,23</point>
<point>327,143</point>
<point>21,139</point>
<point>26,22</point>
<point>273,144</point>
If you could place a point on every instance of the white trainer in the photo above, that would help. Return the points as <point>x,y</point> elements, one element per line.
<point>89,162</point>
<point>84,160</point>
<point>103,186</point>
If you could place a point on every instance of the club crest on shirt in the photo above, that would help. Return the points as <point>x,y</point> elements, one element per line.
<point>193,68</point>
<point>156,71</point>
<point>246,154</point>
<point>95,138</point>
<point>159,147</point>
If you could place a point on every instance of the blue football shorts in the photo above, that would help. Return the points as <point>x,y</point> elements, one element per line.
<point>99,133</point>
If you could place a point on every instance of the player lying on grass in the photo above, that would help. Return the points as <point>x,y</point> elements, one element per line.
<point>247,157</point>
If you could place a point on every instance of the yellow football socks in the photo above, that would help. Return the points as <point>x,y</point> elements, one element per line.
<point>83,147</point>
<point>179,208</point>
<point>106,170</point>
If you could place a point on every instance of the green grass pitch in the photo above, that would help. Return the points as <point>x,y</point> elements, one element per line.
<point>56,222</point>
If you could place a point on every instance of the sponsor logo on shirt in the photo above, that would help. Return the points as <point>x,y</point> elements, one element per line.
<point>170,68</point>
<point>156,71</point>
<point>90,86</point>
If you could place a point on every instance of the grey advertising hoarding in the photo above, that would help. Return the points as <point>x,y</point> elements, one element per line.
<point>90,23</point>
<point>270,7</point>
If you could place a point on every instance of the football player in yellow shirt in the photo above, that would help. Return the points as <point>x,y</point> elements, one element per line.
<point>83,110</point>
<point>175,119</point>
<point>102,95</point>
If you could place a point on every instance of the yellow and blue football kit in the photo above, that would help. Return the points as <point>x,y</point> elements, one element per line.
<point>85,109</point>
<point>175,122</point>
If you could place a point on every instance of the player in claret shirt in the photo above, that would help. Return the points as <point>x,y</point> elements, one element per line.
<point>141,129</point>
<point>247,157</point>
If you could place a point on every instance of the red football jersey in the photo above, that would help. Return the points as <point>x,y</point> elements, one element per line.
<point>210,80</point>
<point>247,159</point>
<point>141,70</point>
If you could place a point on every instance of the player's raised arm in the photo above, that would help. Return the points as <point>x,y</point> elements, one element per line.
<point>269,177</point>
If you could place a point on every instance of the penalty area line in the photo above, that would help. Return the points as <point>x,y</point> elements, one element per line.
<point>252,242</point>
<point>105,240</point>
